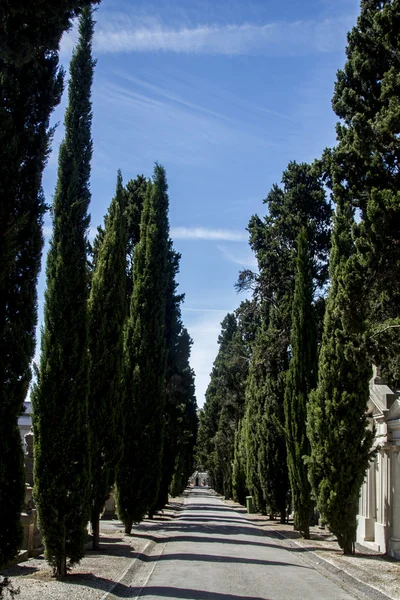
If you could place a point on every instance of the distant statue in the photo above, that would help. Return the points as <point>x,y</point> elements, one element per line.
<point>28,437</point>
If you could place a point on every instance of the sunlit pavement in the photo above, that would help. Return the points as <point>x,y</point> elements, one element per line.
<point>211,552</point>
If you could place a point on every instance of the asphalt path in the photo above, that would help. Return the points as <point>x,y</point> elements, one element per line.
<point>211,552</point>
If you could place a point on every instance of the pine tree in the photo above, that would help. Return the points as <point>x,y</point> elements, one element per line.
<point>365,165</point>
<point>139,472</point>
<point>300,380</point>
<point>60,395</point>
<point>30,88</point>
<point>337,421</point>
<point>107,313</point>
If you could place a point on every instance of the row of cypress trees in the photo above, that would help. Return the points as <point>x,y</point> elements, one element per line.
<point>31,84</point>
<point>303,438</point>
<point>114,363</point>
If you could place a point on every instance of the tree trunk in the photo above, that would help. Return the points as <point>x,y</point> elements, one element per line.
<point>96,533</point>
<point>128,527</point>
<point>305,531</point>
<point>61,569</point>
<point>283,515</point>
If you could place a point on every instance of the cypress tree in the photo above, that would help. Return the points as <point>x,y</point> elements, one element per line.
<point>30,87</point>
<point>337,421</point>
<point>107,313</point>
<point>267,474</point>
<point>301,378</point>
<point>60,396</point>
<point>300,202</point>
<point>253,417</point>
<point>139,472</point>
<point>212,444</point>
<point>187,418</point>
<point>173,326</point>
<point>239,481</point>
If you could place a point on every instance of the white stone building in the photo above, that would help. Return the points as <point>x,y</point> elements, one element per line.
<point>379,514</point>
<point>25,422</point>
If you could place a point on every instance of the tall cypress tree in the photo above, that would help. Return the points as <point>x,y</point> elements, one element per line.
<point>239,480</point>
<point>139,472</point>
<point>300,380</point>
<point>210,445</point>
<point>337,421</point>
<point>173,376</point>
<point>187,417</point>
<point>300,202</point>
<point>30,87</point>
<point>60,396</point>
<point>267,474</point>
<point>107,313</point>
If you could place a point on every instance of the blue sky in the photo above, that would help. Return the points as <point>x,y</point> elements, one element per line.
<point>223,94</point>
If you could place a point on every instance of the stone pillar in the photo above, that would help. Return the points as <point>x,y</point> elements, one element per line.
<point>370,508</point>
<point>28,458</point>
<point>394,542</point>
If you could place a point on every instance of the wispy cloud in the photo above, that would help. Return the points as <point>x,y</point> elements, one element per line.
<point>115,34</point>
<point>202,233</point>
<point>244,259</point>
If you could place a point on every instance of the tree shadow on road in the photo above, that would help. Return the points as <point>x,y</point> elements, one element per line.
<point>190,594</point>
<point>207,540</point>
<point>220,559</point>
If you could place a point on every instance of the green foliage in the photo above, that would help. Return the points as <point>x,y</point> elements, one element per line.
<point>337,421</point>
<point>60,394</point>
<point>30,27</point>
<point>29,91</point>
<point>239,481</point>
<point>178,353</point>
<point>224,405</point>
<point>107,313</point>
<point>187,416</point>
<point>135,191</point>
<point>300,380</point>
<point>267,475</point>
<point>364,167</point>
<point>300,203</point>
<point>139,472</point>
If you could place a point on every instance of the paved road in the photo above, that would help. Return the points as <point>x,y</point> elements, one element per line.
<point>214,553</point>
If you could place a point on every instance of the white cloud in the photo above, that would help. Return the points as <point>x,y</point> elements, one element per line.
<point>282,38</point>
<point>202,233</point>
<point>119,33</point>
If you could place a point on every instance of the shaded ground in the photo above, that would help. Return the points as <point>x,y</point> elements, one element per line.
<point>202,548</point>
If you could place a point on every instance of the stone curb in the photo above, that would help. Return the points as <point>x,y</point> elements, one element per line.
<point>344,576</point>
<point>329,568</point>
<point>123,587</point>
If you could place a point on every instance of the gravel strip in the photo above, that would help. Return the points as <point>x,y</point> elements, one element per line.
<point>99,573</point>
